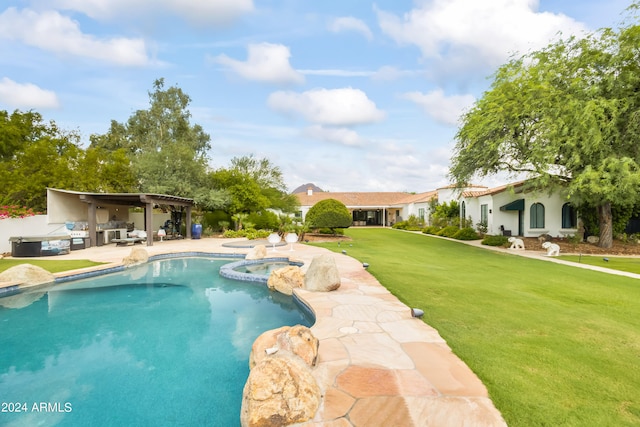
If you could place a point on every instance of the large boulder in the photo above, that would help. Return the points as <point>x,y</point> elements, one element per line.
<point>322,275</point>
<point>280,391</point>
<point>298,340</point>
<point>256,252</point>
<point>286,279</point>
<point>27,274</point>
<point>137,256</point>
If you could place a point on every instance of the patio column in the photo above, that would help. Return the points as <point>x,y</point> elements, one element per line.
<point>92,224</point>
<point>188,222</point>
<point>148,222</point>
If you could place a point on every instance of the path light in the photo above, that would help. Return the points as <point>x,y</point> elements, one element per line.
<point>417,313</point>
<point>605,259</point>
<point>365,265</point>
<point>344,252</point>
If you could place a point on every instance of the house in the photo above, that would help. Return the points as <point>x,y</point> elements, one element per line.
<point>508,209</point>
<point>512,210</point>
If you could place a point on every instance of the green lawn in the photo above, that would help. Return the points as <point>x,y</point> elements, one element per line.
<point>49,265</point>
<point>631,265</point>
<point>555,345</point>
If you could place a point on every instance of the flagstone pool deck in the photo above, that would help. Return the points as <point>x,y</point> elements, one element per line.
<point>377,365</point>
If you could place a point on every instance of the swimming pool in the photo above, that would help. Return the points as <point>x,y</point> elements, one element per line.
<point>165,343</point>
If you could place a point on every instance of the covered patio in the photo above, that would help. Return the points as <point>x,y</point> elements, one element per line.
<point>65,206</point>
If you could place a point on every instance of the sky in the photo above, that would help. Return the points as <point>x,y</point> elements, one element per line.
<point>348,95</point>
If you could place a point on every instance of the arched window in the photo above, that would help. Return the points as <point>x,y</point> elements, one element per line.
<point>537,215</point>
<point>569,216</point>
<point>463,210</point>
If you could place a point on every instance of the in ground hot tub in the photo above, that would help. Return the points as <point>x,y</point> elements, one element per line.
<point>27,246</point>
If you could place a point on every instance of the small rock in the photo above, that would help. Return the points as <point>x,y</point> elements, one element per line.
<point>27,274</point>
<point>137,256</point>
<point>280,391</point>
<point>256,252</point>
<point>298,340</point>
<point>286,279</point>
<point>593,239</point>
<point>322,275</point>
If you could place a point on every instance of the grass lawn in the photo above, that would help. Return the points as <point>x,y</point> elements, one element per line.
<point>49,265</point>
<point>630,265</point>
<point>555,345</point>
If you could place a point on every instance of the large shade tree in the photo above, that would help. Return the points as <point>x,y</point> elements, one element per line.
<point>568,116</point>
<point>167,151</point>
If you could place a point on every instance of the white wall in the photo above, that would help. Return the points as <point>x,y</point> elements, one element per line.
<point>29,226</point>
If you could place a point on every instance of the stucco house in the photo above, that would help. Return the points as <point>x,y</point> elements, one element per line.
<point>507,209</point>
<point>510,210</point>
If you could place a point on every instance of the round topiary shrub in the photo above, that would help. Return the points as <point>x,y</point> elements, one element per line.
<point>329,213</point>
<point>467,233</point>
<point>495,240</point>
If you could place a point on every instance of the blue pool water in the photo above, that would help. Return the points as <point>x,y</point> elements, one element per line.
<point>166,343</point>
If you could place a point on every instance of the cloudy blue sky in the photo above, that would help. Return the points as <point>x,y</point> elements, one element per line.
<point>349,95</point>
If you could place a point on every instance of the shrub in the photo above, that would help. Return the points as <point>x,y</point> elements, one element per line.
<point>263,220</point>
<point>432,229</point>
<point>466,233</point>
<point>329,213</point>
<point>330,231</point>
<point>448,231</point>
<point>400,225</point>
<point>213,220</point>
<point>495,240</point>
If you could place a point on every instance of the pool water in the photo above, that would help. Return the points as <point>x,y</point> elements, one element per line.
<point>165,343</point>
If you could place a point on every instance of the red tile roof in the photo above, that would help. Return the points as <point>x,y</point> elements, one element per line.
<point>365,199</point>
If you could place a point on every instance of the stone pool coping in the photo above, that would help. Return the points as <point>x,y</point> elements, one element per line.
<point>377,365</point>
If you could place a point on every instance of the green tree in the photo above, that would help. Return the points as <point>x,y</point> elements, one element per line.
<point>329,213</point>
<point>444,214</point>
<point>254,185</point>
<point>35,155</point>
<point>569,117</point>
<point>168,153</point>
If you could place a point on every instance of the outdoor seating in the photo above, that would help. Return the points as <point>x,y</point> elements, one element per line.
<point>128,241</point>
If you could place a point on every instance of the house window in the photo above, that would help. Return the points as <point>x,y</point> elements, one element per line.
<point>569,216</point>
<point>537,215</point>
<point>463,210</point>
<point>421,214</point>
<point>484,214</point>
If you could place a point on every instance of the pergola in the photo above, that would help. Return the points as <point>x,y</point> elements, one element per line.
<point>142,200</point>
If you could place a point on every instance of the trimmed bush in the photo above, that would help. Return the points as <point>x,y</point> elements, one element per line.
<point>448,231</point>
<point>432,229</point>
<point>329,213</point>
<point>467,233</point>
<point>495,240</point>
<point>263,220</point>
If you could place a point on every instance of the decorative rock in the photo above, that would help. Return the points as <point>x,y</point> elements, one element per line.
<point>280,391</point>
<point>257,252</point>
<point>298,340</point>
<point>137,256</point>
<point>544,238</point>
<point>27,274</point>
<point>285,279</point>
<point>322,275</point>
<point>593,239</point>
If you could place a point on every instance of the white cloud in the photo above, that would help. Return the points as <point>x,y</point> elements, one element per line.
<point>54,32</point>
<point>349,23</point>
<point>444,109</point>
<point>217,12</point>
<point>265,62</point>
<point>26,95</point>
<point>388,73</point>
<point>338,107</point>
<point>337,135</point>
<point>491,30</point>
